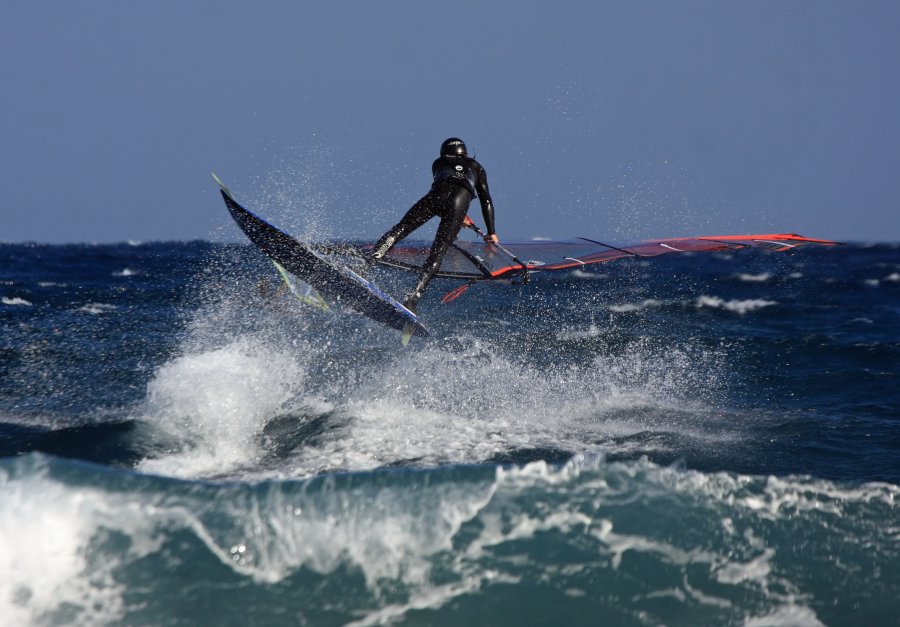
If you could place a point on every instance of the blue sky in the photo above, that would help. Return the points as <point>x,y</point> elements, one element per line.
<point>616,120</point>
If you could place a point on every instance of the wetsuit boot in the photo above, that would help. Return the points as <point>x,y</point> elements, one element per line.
<point>383,246</point>
<point>412,299</point>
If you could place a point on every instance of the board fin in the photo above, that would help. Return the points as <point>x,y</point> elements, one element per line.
<point>308,296</point>
<point>407,333</point>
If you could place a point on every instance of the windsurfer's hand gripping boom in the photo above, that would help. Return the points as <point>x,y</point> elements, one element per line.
<point>494,240</point>
<point>488,239</point>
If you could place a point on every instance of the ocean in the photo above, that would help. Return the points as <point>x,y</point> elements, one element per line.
<point>708,439</point>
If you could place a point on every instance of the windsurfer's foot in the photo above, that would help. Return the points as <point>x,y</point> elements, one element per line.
<point>381,249</point>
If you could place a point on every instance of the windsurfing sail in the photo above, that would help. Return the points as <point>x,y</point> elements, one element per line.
<point>477,261</point>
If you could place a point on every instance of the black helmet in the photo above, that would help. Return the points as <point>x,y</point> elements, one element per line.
<point>453,147</point>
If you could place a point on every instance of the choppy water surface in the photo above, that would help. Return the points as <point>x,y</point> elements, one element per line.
<point>707,439</point>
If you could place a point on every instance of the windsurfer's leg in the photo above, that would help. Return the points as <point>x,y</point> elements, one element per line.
<point>418,214</point>
<point>448,229</point>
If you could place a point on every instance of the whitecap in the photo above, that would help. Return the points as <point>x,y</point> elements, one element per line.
<point>96,308</point>
<point>737,306</point>
<point>629,307</point>
<point>16,301</point>
<point>581,274</point>
<point>126,272</point>
<point>754,278</point>
<point>872,282</point>
<point>894,277</point>
<point>50,284</point>
<point>46,528</point>
<point>216,402</point>
<point>798,615</point>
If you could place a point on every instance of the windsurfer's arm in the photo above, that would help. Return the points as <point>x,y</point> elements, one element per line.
<point>487,205</point>
<point>487,210</point>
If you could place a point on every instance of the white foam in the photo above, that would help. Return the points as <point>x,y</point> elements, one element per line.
<point>15,301</point>
<point>582,274</point>
<point>745,561</point>
<point>394,531</point>
<point>872,282</point>
<point>96,308</point>
<point>737,306</point>
<point>126,272</point>
<point>893,277</point>
<point>755,278</point>
<point>214,403</point>
<point>629,307</point>
<point>757,569</point>
<point>789,615</point>
<point>703,598</point>
<point>485,404</point>
<point>388,533</point>
<point>618,544</point>
<point>46,531</point>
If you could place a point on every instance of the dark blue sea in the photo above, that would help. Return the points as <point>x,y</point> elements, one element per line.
<point>708,439</point>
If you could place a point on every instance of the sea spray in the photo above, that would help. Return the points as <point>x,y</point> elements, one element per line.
<point>211,405</point>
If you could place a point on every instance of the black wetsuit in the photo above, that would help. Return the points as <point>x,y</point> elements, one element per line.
<point>457,180</point>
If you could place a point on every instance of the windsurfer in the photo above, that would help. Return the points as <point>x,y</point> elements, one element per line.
<point>457,179</point>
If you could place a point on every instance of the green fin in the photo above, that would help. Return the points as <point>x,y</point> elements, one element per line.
<point>309,297</point>
<point>408,331</point>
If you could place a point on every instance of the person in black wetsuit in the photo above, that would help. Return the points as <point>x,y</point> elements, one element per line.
<point>457,180</point>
